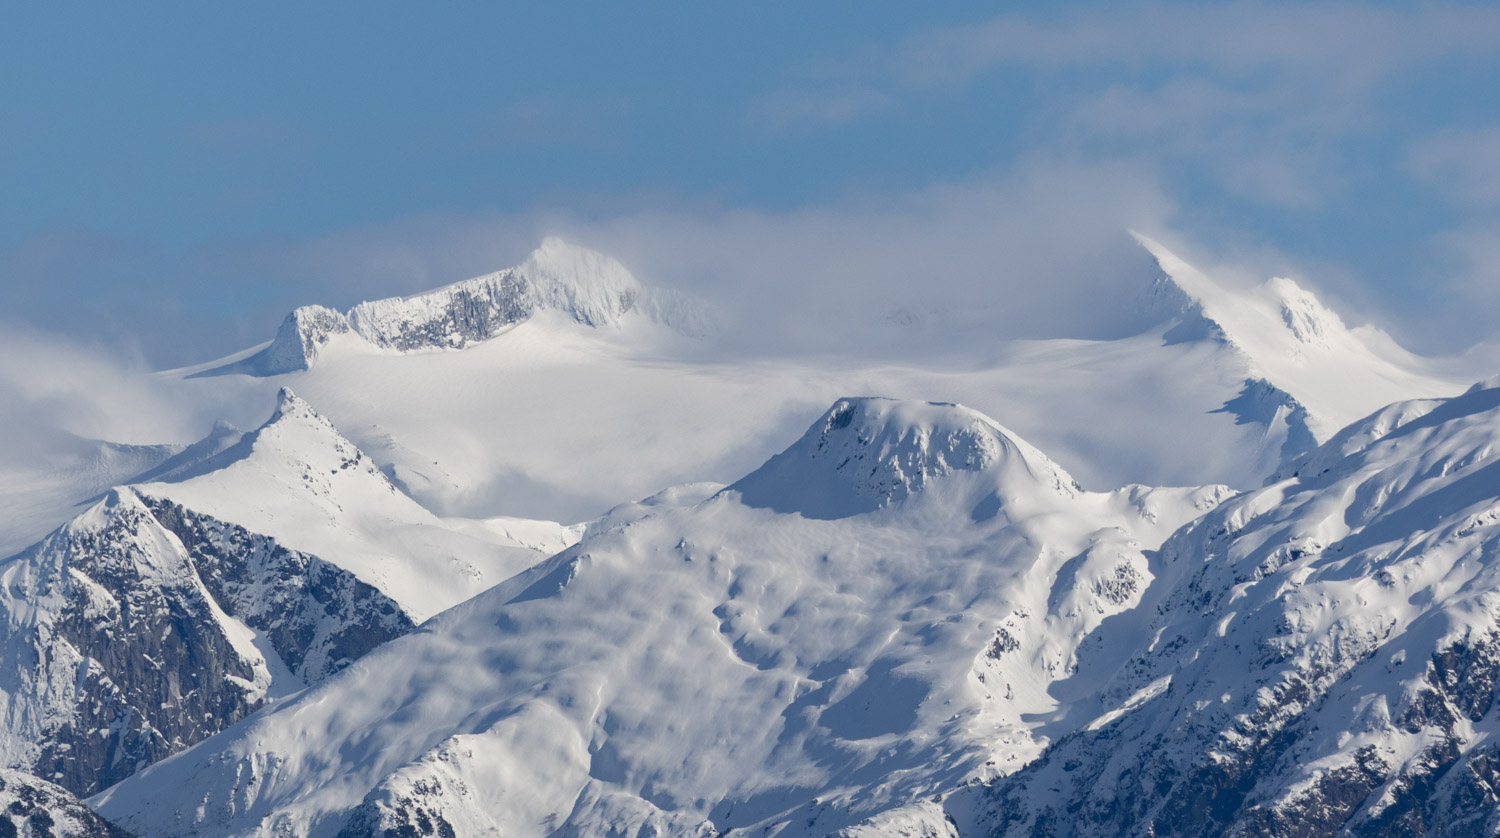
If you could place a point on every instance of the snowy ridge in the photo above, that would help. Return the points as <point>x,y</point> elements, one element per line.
<point>1298,356</point>
<point>696,668</point>
<point>1331,650</point>
<point>585,287</point>
<point>298,480</point>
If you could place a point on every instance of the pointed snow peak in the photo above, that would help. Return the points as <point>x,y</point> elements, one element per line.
<point>1177,297</point>
<point>297,424</point>
<point>1278,317</point>
<point>562,261</point>
<point>866,453</point>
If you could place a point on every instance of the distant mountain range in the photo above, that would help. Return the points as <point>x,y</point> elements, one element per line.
<point>357,620</point>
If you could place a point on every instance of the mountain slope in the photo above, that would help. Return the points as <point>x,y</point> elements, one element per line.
<point>1324,656</point>
<point>140,628</point>
<point>298,480</point>
<point>169,610</point>
<point>34,808</point>
<point>1207,394</point>
<point>721,665</point>
<point>583,286</point>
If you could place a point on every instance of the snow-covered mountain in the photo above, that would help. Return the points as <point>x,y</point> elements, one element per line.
<point>266,562</point>
<point>909,621</point>
<point>33,808</point>
<point>1222,388</point>
<point>580,285</point>
<point>875,614</point>
<point>300,481</point>
<point>1319,657</point>
<point>1306,374</point>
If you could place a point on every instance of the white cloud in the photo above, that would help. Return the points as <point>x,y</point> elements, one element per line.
<point>52,387</point>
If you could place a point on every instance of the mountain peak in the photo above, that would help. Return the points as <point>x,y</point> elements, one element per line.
<point>585,286</point>
<point>867,453</point>
<point>1277,317</point>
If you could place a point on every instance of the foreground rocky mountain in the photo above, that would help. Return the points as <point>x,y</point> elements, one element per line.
<point>150,622</point>
<point>1320,657</point>
<point>876,614</point>
<point>912,622</point>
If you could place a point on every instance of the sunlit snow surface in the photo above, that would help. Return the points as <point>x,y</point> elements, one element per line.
<point>721,664</point>
<point>579,406</point>
<point>868,632</point>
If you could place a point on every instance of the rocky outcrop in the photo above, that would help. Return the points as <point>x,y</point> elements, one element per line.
<point>140,628</point>
<point>35,808</point>
<point>1324,660</point>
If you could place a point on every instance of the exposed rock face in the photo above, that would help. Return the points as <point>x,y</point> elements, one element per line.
<point>37,809</point>
<point>131,633</point>
<point>318,617</point>
<point>1325,659</point>
<point>587,287</point>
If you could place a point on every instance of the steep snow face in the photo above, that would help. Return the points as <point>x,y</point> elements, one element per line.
<point>1325,657</point>
<point>1297,352</point>
<point>584,286</point>
<point>140,628</point>
<point>718,665</point>
<point>299,481</point>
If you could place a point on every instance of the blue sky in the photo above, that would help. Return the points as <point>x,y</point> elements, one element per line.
<point>177,176</point>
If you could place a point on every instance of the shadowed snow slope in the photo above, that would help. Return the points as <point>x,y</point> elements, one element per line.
<point>715,665</point>
<point>1324,655</point>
